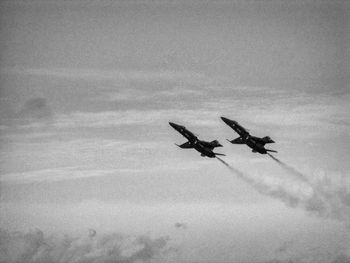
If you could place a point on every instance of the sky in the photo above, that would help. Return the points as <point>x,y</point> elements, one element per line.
<point>88,167</point>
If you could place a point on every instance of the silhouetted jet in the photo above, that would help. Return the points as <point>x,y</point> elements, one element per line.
<point>205,148</point>
<point>256,143</point>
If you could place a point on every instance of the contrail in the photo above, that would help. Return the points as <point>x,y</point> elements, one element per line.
<point>290,169</point>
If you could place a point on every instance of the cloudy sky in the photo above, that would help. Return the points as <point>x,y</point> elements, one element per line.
<point>88,89</point>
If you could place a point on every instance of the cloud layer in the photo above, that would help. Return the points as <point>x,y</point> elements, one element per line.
<point>36,247</point>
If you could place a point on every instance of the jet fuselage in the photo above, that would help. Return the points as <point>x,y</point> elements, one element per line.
<point>255,143</point>
<point>205,148</point>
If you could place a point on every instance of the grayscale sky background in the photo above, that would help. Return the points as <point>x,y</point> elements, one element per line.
<point>88,89</point>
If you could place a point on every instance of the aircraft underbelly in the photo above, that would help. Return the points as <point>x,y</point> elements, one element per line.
<point>204,151</point>
<point>256,147</point>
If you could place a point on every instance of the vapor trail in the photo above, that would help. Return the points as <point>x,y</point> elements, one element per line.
<point>290,169</point>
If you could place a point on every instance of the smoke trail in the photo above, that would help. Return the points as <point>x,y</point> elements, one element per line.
<point>290,169</point>
<point>310,197</point>
<point>326,196</point>
<point>332,193</point>
<point>237,172</point>
<point>265,188</point>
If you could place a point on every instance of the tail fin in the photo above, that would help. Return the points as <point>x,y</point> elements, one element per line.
<point>267,139</point>
<point>215,143</point>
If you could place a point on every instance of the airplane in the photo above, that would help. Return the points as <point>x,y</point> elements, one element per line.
<point>205,148</point>
<point>256,143</point>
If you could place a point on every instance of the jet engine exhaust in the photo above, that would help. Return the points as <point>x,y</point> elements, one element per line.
<point>239,173</point>
<point>225,163</point>
<point>290,169</point>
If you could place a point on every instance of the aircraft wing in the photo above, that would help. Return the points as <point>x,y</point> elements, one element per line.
<point>186,145</point>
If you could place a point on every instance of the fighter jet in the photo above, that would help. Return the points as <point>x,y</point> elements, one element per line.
<point>256,143</point>
<point>205,148</point>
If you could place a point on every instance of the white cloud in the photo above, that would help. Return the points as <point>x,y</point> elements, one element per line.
<point>59,174</point>
<point>139,95</point>
<point>236,232</point>
<point>138,117</point>
<point>289,112</point>
<point>104,74</point>
<point>77,173</point>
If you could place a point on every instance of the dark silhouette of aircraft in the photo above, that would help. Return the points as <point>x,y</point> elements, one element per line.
<point>205,148</point>
<point>256,143</point>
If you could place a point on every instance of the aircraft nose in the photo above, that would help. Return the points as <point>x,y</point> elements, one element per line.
<point>224,119</point>
<point>174,125</point>
<point>227,121</point>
